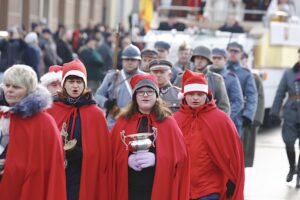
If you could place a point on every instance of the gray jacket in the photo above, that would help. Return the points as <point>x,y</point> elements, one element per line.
<point>169,94</point>
<point>289,85</point>
<point>114,87</point>
<point>260,111</point>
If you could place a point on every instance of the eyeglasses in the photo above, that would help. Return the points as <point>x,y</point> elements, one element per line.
<point>234,51</point>
<point>142,93</point>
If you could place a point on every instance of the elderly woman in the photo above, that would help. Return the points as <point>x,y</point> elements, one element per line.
<point>215,150</point>
<point>135,167</point>
<point>30,144</point>
<point>86,136</point>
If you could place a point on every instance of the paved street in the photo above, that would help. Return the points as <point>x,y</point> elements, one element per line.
<point>266,180</point>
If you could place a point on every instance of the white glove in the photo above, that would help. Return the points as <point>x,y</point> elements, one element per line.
<point>145,159</point>
<point>132,163</point>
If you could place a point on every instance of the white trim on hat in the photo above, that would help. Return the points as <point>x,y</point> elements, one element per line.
<point>50,77</point>
<point>74,73</point>
<point>161,66</point>
<point>195,88</point>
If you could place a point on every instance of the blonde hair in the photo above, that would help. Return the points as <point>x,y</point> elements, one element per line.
<point>21,75</point>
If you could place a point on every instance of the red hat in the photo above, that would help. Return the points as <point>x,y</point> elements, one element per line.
<point>193,82</point>
<point>74,68</point>
<point>54,74</point>
<point>144,80</point>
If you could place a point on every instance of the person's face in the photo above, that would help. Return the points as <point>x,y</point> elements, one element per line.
<point>195,99</point>
<point>145,98</point>
<point>130,65</point>
<point>146,59</point>
<point>184,56</point>
<point>54,87</point>
<point>74,86</point>
<point>163,76</point>
<point>162,53</point>
<point>14,93</point>
<point>200,62</point>
<point>234,54</point>
<point>218,61</point>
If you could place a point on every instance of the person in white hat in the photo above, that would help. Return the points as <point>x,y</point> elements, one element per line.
<point>215,149</point>
<point>30,144</point>
<point>86,142</point>
<point>51,80</point>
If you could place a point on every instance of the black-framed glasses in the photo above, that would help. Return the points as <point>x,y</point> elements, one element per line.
<point>142,93</point>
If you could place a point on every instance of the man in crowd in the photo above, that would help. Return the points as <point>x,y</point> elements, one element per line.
<point>169,93</point>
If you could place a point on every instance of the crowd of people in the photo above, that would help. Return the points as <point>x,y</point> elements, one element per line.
<point>143,129</point>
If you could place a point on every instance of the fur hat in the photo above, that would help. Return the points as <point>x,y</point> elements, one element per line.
<point>193,82</point>
<point>21,75</point>
<point>74,68</point>
<point>54,74</point>
<point>144,80</point>
<point>31,38</point>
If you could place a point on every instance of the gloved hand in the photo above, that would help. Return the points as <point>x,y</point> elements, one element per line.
<point>145,159</point>
<point>230,188</point>
<point>246,121</point>
<point>110,103</point>
<point>132,163</point>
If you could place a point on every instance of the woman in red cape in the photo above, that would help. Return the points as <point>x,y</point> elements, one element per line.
<point>89,162</point>
<point>30,143</point>
<point>215,150</point>
<point>161,172</point>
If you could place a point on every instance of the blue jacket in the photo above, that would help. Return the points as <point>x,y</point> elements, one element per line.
<point>234,92</point>
<point>249,90</point>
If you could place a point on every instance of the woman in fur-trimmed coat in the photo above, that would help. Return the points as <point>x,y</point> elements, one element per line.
<point>31,155</point>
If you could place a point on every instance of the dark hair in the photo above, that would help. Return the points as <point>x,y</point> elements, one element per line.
<point>160,110</point>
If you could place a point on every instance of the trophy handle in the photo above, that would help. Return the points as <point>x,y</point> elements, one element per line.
<point>154,135</point>
<point>123,137</point>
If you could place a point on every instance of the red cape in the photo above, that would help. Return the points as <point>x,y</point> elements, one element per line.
<point>171,172</point>
<point>221,140</point>
<point>96,163</point>
<point>34,167</point>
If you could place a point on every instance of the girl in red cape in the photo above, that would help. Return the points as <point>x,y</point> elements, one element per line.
<point>160,172</point>
<point>215,150</point>
<point>89,161</point>
<point>30,143</point>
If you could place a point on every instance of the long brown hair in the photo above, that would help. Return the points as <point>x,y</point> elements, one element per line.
<point>160,109</point>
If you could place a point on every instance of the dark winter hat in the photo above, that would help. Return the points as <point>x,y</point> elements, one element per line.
<point>144,80</point>
<point>235,45</point>
<point>219,52</point>
<point>162,44</point>
<point>159,64</point>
